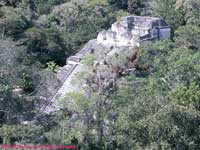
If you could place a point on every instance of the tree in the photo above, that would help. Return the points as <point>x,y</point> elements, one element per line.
<point>13,22</point>
<point>188,37</point>
<point>119,3</point>
<point>187,96</point>
<point>44,6</point>
<point>191,11</point>
<point>19,133</point>
<point>46,43</point>
<point>167,10</point>
<point>11,2</point>
<point>136,6</point>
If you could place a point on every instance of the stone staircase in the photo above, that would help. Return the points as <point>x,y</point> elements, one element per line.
<point>129,32</point>
<point>63,75</point>
<point>66,74</point>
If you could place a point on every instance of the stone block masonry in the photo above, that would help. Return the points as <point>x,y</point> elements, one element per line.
<point>129,32</point>
<point>134,30</point>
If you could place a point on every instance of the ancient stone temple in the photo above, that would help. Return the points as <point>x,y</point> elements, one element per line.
<point>129,32</point>
<point>134,30</point>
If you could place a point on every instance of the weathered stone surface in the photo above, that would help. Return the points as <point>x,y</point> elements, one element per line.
<point>133,30</point>
<point>124,35</point>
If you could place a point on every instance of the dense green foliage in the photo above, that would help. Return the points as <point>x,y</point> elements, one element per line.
<point>155,108</point>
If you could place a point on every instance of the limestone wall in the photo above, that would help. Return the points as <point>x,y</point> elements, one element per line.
<point>165,33</point>
<point>129,30</point>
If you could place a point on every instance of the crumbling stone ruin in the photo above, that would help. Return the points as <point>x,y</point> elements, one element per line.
<point>134,30</point>
<point>129,32</point>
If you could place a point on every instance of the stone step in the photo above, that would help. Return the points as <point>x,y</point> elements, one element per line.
<point>66,87</point>
<point>64,71</point>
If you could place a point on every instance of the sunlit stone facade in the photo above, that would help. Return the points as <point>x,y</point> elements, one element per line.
<point>134,30</point>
